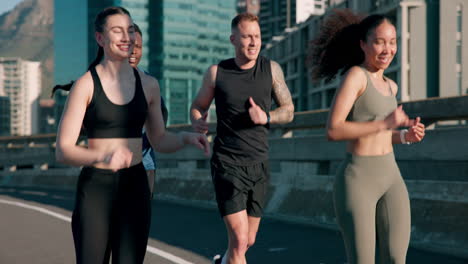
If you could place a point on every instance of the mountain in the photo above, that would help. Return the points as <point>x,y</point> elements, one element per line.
<point>27,32</point>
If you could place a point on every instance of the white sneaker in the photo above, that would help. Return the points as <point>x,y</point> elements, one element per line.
<point>217,259</point>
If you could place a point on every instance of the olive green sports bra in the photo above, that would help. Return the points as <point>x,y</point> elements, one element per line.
<point>372,105</point>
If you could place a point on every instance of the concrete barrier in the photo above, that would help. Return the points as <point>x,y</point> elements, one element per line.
<point>302,183</point>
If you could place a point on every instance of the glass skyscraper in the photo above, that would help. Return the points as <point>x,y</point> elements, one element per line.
<point>186,37</point>
<point>275,16</point>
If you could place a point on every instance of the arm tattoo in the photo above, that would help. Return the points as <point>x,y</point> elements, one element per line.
<point>285,111</point>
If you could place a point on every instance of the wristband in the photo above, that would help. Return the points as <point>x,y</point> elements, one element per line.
<point>402,137</point>
<point>268,118</point>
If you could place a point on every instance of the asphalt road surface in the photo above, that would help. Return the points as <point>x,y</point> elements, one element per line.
<point>35,228</point>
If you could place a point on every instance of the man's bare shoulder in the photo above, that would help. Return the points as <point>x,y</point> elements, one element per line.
<point>274,64</point>
<point>213,69</point>
<point>210,74</point>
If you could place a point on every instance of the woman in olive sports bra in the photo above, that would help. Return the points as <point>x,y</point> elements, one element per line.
<point>369,194</point>
<point>113,101</point>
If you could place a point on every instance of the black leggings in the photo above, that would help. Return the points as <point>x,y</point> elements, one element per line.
<point>112,214</point>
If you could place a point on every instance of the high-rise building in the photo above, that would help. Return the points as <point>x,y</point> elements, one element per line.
<point>248,6</point>
<point>60,97</point>
<point>185,38</point>
<point>429,61</point>
<point>276,16</point>
<point>4,107</point>
<point>2,83</point>
<point>307,8</point>
<point>22,84</point>
<point>47,121</point>
<point>453,47</point>
<point>5,116</point>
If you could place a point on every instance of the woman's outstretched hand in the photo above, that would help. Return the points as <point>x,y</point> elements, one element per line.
<point>198,140</point>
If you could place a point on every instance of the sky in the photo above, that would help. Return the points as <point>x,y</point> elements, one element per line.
<point>7,5</point>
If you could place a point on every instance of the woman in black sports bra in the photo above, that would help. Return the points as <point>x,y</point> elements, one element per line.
<point>113,101</point>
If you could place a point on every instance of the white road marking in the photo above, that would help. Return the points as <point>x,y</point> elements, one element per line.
<point>37,208</point>
<point>65,218</point>
<point>166,255</point>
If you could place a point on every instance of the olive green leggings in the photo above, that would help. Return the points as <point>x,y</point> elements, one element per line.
<point>371,201</point>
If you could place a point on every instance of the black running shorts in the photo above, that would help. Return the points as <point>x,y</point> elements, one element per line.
<point>240,188</point>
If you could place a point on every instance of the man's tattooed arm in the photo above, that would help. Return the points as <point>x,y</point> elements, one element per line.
<point>284,113</point>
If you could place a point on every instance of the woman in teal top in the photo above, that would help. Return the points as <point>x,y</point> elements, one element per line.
<point>369,194</point>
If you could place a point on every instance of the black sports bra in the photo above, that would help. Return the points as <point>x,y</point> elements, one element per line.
<point>104,119</point>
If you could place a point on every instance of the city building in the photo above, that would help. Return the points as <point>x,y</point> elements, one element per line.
<point>276,16</point>
<point>430,57</point>
<point>22,84</point>
<point>4,108</point>
<point>307,8</point>
<point>248,6</point>
<point>453,48</point>
<point>60,98</point>
<point>5,116</point>
<point>185,38</point>
<point>47,121</point>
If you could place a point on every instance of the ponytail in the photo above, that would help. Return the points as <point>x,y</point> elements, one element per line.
<point>98,59</point>
<point>64,87</point>
<point>336,46</point>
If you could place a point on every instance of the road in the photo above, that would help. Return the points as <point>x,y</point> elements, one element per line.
<point>35,228</point>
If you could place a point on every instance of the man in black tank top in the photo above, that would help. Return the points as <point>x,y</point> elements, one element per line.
<point>243,88</point>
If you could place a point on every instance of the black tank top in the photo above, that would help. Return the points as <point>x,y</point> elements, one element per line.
<point>238,139</point>
<point>104,119</point>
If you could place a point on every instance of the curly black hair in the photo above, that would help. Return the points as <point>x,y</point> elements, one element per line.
<point>337,45</point>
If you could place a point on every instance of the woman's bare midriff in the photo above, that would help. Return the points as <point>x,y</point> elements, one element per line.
<point>373,145</point>
<point>107,145</point>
